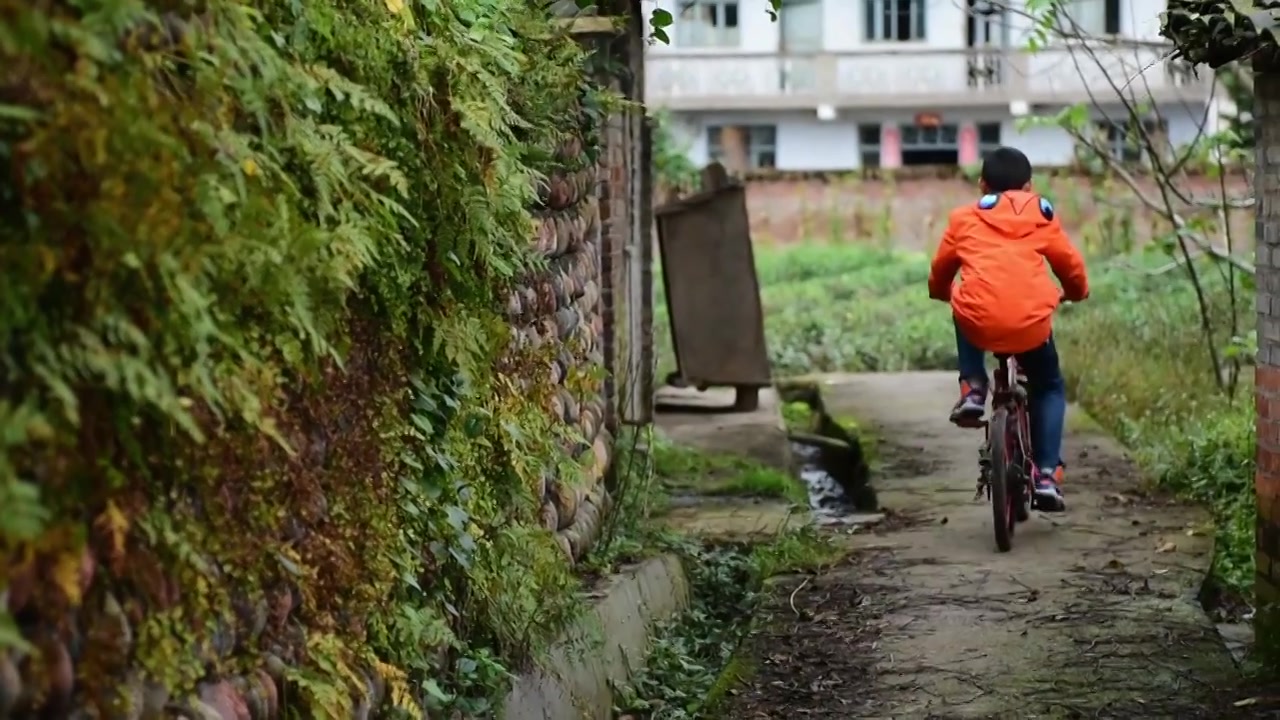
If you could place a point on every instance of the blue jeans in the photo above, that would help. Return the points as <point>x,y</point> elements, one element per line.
<point>1047,401</point>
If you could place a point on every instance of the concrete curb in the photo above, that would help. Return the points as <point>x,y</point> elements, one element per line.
<point>576,681</point>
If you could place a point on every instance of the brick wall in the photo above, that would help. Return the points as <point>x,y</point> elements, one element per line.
<point>1267,252</point>
<point>625,192</point>
<point>911,212</point>
<point>613,223</point>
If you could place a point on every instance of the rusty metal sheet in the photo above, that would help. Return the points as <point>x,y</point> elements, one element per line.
<point>713,295</point>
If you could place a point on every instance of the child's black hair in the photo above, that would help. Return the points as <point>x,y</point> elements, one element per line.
<point>1006,169</point>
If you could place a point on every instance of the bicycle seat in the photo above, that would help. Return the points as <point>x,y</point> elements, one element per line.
<point>1003,361</point>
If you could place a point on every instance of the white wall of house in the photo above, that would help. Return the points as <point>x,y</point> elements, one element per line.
<point>801,141</point>
<point>841,25</point>
<point>805,143</point>
<point>1052,146</point>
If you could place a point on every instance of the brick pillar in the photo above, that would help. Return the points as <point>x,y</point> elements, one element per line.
<point>645,237</point>
<point>733,144</point>
<point>614,222</point>
<point>1267,388</point>
<point>890,146</point>
<point>968,144</point>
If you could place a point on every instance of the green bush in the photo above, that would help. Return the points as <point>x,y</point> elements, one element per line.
<point>208,216</point>
<point>1136,359</point>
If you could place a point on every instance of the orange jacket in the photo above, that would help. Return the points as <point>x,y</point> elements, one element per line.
<point>1005,299</point>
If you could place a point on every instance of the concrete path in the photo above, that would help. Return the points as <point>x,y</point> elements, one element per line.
<point>1093,614</point>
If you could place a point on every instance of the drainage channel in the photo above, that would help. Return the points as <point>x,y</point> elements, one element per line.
<point>830,460</point>
<point>838,487</point>
<point>826,497</point>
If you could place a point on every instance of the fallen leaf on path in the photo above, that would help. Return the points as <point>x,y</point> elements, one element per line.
<point>1167,547</point>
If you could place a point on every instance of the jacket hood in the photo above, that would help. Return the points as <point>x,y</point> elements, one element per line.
<point>1016,213</point>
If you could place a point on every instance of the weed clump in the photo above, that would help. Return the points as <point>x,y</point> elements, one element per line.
<point>692,663</point>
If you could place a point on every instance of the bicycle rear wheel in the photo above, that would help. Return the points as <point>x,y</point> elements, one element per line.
<point>1003,501</point>
<point>1020,482</point>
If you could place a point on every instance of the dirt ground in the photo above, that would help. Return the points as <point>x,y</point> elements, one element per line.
<point>1094,614</point>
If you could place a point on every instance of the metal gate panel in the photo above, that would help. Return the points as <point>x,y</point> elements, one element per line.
<point>713,294</point>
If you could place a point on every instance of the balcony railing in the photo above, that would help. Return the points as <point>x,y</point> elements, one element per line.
<point>937,78</point>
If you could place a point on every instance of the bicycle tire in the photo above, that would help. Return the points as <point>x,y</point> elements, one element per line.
<point>1021,488</point>
<point>1002,513</point>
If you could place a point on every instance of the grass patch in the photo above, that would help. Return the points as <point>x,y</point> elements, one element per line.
<point>1152,387</point>
<point>692,665</point>
<point>737,671</point>
<point>686,470</point>
<point>868,442</point>
<point>816,299</point>
<point>797,416</point>
<point>629,533</point>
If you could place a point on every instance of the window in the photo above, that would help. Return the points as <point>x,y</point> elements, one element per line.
<point>930,145</point>
<point>801,22</point>
<point>1092,17</point>
<point>928,137</point>
<point>708,23</point>
<point>986,24</point>
<point>1119,142</point>
<point>743,147</point>
<point>1123,141</point>
<point>895,20</point>
<point>869,145</point>
<point>988,138</point>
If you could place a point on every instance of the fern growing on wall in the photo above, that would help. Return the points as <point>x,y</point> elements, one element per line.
<point>251,262</point>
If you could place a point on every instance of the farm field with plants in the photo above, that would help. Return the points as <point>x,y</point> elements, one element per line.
<point>1135,357</point>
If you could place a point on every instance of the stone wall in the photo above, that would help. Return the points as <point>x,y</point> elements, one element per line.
<point>595,297</point>
<point>561,307</point>
<point>239,660</point>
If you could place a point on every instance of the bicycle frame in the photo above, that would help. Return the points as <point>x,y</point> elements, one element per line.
<point>1009,391</point>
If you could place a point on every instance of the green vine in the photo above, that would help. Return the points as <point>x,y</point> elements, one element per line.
<point>258,396</point>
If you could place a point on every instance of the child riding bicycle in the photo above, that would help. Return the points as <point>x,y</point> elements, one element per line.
<point>1004,303</point>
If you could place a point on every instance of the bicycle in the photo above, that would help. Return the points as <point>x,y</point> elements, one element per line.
<point>1005,460</point>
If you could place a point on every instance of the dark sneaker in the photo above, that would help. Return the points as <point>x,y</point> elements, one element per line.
<point>969,409</point>
<point>1048,495</point>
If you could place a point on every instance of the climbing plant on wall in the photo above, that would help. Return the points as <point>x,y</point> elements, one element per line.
<point>261,418</point>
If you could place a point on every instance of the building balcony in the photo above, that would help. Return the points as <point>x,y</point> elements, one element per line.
<point>917,79</point>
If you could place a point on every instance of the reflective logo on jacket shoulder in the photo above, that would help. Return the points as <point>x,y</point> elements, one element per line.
<point>1046,208</point>
<point>988,201</point>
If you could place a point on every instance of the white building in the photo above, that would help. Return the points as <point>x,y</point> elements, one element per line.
<point>845,84</point>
